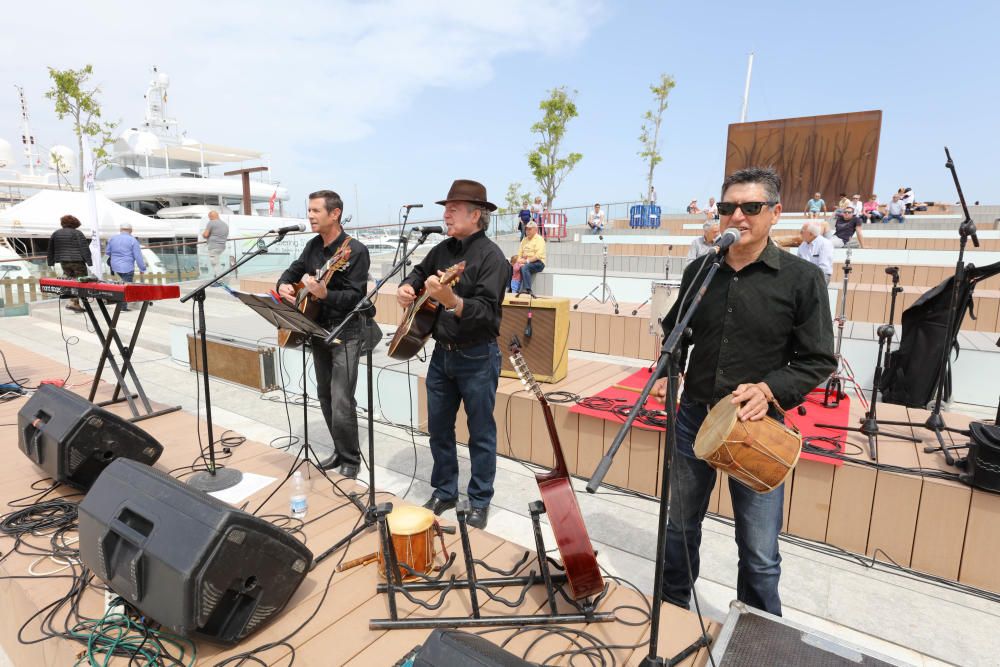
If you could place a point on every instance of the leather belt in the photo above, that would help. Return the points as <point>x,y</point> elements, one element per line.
<point>451,347</point>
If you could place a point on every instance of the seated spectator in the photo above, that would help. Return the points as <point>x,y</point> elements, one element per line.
<point>842,202</point>
<point>858,207</point>
<point>816,248</point>
<point>692,208</point>
<point>523,218</point>
<point>815,206</point>
<point>515,279</point>
<point>871,210</point>
<point>846,225</point>
<point>702,244</point>
<point>530,257</point>
<point>712,212</point>
<point>895,210</point>
<point>595,220</point>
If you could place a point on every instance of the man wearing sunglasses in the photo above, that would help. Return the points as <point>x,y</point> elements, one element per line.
<point>762,337</point>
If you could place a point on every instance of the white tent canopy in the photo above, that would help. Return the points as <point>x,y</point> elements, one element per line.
<point>39,216</point>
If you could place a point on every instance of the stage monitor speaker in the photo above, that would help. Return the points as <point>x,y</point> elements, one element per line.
<point>190,562</point>
<point>983,462</point>
<point>73,440</point>
<point>446,648</point>
<point>546,349</point>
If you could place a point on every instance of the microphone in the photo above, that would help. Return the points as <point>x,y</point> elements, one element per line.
<point>290,228</point>
<point>426,231</point>
<point>527,327</point>
<point>408,206</point>
<point>728,238</point>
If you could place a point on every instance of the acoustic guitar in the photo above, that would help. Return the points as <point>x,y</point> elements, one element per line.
<point>306,302</point>
<point>582,572</point>
<point>418,323</point>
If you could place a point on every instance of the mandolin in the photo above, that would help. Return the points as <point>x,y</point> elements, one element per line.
<point>418,323</point>
<point>308,304</point>
<point>556,488</point>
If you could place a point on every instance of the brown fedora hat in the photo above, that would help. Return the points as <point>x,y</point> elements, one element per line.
<point>470,191</point>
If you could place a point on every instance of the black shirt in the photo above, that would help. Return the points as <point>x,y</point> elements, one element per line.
<point>844,228</point>
<point>347,286</point>
<point>482,287</point>
<point>769,322</point>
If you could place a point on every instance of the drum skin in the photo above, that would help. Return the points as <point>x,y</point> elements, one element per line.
<point>759,454</point>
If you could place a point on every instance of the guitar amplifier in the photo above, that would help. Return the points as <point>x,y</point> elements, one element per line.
<point>547,348</point>
<point>248,364</point>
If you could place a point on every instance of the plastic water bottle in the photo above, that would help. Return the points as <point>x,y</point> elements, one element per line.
<point>299,504</point>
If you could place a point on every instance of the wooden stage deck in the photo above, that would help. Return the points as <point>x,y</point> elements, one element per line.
<point>339,633</point>
<point>938,526</point>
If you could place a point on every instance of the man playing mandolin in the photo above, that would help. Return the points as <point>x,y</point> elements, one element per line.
<point>762,336</point>
<point>336,365</point>
<point>465,365</point>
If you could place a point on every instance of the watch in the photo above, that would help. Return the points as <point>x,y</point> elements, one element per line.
<point>455,307</point>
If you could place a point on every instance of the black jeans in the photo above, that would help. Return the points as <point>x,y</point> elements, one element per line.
<point>336,378</point>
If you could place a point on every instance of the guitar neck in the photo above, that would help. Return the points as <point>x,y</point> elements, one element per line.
<point>521,366</point>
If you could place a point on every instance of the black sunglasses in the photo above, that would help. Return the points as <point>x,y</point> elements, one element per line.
<point>748,207</point>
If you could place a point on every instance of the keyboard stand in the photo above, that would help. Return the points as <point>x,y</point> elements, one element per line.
<point>122,392</point>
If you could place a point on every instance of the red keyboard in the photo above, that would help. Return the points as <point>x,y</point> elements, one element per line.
<point>111,292</point>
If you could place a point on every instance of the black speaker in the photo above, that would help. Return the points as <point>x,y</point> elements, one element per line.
<point>73,440</point>
<point>445,648</point>
<point>194,564</point>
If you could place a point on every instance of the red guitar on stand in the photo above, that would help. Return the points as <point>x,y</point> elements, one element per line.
<point>582,572</point>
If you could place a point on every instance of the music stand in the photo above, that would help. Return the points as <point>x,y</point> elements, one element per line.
<point>285,316</point>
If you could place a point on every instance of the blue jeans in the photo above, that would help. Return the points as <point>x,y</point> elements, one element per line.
<point>127,277</point>
<point>528,271</point>
<point>467,376</point>
<point>893,217</point>
<point>758,522</point>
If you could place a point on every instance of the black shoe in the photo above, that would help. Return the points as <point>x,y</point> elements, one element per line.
<point>349,470</point>
<point>331,463</point>
<point>439,506</point>
<point>478,517</point>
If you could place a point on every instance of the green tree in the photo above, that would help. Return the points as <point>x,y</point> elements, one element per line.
<point>649,137</point>
<point>73,98</point>
<point>515,200</point>
<point>548,168</point>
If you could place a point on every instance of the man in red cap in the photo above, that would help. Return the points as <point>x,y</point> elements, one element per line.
<point>465,365</point>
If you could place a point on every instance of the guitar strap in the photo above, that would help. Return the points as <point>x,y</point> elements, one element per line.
<point>343,246</point>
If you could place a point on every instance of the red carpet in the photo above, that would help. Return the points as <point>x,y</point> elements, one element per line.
<point>815,413</point>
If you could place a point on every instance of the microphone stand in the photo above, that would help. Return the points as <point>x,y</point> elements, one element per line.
<point>216,478</point>
<point>367,510</point>
<point>669,361</point>
<point>403,237</point>
<point>934,421</point>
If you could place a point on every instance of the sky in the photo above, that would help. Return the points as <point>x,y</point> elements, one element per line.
<point>388,101</point>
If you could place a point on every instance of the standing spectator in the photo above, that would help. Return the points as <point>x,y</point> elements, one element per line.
<point>595,220</point>
<point>217,233</point>
<point>536,210</point>
<point>871,209</point>
<point>702,244</point>
<point>815,206</point>
<point>71,249</point>
<point>124,254</point>
<point>515,277</point>
<point>895,210</point>
<point>692,208</point>
<point>523,218</point>
<point>531,257</point>
<point>816,248</point>
<point>908,199</point>
<point>712,212</point>
<point>846,225</point>
<point>652,195</point>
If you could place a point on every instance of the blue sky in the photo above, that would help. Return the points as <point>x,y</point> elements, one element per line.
<point>394,99</point>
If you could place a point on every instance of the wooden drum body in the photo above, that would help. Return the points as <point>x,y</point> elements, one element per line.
<point>412,532</point>
<point>758,454</point>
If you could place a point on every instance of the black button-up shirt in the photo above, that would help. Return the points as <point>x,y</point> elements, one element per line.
<point>347,286</point>
<point>482,287</point>
<point>769,322</point>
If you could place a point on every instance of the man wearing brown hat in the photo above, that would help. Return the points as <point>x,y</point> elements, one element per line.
<point>465,365</point>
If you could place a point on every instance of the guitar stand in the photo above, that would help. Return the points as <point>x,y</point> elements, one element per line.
<point>553,582</point>
<point>834,391</point>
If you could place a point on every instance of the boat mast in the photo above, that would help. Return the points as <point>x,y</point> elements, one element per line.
<point>27,138</point>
